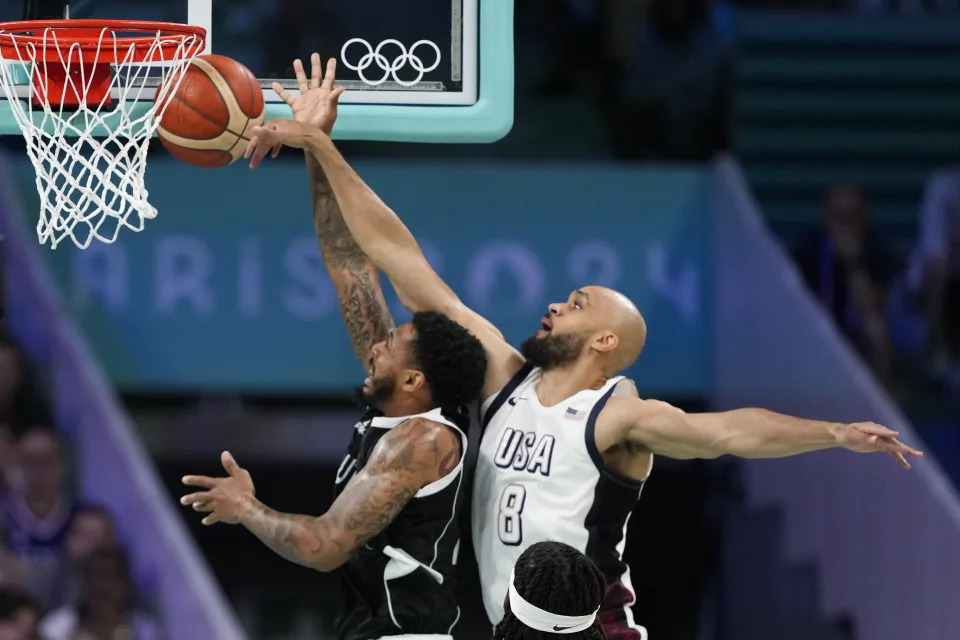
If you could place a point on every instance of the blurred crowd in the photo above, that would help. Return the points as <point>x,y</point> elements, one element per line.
<point>63,573</point>
<point>901,311</point>
<point>665,65</point>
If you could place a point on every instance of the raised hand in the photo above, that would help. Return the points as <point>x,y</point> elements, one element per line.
<point>868,437</point>
<point>224,498</point>
<point>273,135</point>
<point>317,103</point>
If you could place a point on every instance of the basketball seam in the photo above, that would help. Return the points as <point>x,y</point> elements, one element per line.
<point>239,137</point>
<point>208,118</point>
<point>217,76</point>
<point>254,86</point>
<point>223,100</point>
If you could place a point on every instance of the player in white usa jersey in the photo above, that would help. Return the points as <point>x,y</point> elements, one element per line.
<point>567,445</point>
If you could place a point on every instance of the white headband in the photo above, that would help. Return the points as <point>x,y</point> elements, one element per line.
<point>536,618</point>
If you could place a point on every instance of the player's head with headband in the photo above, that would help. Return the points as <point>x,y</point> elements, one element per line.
<point>554,594</point>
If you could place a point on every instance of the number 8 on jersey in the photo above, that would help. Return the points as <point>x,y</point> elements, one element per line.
<point>510,526</point>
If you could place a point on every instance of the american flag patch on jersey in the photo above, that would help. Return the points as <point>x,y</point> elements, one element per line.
<point>574,414</point>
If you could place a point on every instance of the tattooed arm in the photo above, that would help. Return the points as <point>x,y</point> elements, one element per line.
<point>376,228</point>
<point>405,460</point>
<point>355,277</point>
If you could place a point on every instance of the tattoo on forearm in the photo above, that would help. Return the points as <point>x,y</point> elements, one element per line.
<point>405,460</point>
<point>362,305</point>
<point>373,513</point>
<point>364,312</point>
<point>340,250</point>
<point>304,540</point>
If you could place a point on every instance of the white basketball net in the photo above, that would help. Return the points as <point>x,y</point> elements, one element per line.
<point>91,188</point>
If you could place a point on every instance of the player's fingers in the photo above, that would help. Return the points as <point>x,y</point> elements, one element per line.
<point>199,481</point>
<point>894,446</point>
<point>301,76</point>
<point>276,150</point>
<point>285,95</point>
<point>229,463</point>
<point>910,451</point>
<point>192,498</point>
<point>210,519</point>
<point>335,95</point>
<point>331,73</point>
<point>878,430</point>
<point>315,70</point>
<point>259,154</point>
<point>203,507</point>
<point>251,145</point>
<point>257,150</point>
<point>896,455</point>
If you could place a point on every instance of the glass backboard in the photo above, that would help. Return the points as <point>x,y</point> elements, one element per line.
<point>416,70</point>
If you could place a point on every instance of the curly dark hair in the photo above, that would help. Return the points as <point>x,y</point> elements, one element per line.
<point>557,578</point>
<point>452,359</point>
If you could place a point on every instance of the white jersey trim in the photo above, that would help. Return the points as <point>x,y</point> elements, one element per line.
<point>492,404</point>
<point>402,564</point>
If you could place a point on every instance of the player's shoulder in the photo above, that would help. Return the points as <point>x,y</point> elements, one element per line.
<point>624,410</point>
<point>425,447</point>
<point>626,387</point>
<point>426,433</point>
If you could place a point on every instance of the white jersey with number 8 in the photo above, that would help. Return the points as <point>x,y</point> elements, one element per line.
<point>540,477</point>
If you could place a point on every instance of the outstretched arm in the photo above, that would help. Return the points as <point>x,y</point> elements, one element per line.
<point>386,240</point>
<point>354,275</point>
<point>749,433</point>
<point>408,458</point>
<point>389,243</point>
<point>362,306</point>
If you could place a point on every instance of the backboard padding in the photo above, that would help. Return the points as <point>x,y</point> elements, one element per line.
<point>486,116</point>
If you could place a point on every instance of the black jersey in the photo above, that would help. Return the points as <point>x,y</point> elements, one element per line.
<point>402,581</point>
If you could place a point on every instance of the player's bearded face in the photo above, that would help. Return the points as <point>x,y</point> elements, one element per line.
<point>385,356</point>
<point>379,390</point>
<point>553,350</point>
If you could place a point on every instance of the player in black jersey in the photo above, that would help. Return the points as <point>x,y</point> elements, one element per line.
<point>554,590</point>
<point>392,530</point>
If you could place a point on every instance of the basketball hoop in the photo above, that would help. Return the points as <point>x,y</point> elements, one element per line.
<point>71,81</point>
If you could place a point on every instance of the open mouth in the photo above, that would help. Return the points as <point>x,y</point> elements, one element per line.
<point>545,327</point>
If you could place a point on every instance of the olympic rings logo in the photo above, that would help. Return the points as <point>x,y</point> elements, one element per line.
<point>390,68</point>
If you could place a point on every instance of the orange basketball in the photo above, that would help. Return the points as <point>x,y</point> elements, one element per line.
<point>209,119</point>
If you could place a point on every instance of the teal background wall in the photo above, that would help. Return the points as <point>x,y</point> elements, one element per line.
<point>225,289</point>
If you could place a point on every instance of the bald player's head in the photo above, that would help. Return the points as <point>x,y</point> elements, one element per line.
<point>594,322</point>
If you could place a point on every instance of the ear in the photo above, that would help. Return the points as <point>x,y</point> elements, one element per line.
<point>605,342</point>
<point>413,380</point>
